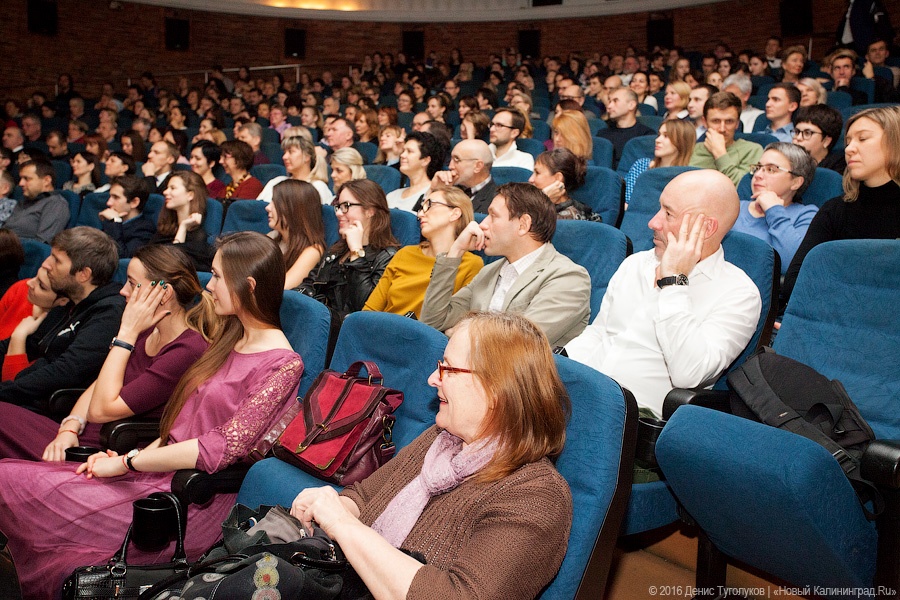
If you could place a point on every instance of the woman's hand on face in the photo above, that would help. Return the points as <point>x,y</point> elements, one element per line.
<point>56,450</point>
<point>767,199</point>
<point>324,506</point>
<point>103,464</point>
<point>144,310</point>
<point>353,234</point>
<point>555,191</point>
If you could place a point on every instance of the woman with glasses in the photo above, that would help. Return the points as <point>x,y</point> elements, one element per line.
<point>476,496</point>
<point>351,268</point>
<point>818,129</point>
<point>422,157</point>
<point>442,218</point>
<point>870,205</point>
<point>775,213</point>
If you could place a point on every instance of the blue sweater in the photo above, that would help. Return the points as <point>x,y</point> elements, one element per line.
<point>782,227</point>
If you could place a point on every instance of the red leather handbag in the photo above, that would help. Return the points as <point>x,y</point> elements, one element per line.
<point>343,433</point>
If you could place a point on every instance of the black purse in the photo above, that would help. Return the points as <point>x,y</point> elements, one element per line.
<point>118,579</point>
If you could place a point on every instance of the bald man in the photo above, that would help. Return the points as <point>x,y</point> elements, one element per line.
<point>677,315</point>
<point>470,170</point>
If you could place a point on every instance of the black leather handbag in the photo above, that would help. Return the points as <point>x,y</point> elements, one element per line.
<point>118,579</point>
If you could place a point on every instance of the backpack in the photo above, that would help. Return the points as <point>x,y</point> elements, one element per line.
<point>783,393</point>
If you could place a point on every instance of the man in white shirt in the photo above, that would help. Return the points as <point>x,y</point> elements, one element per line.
<point>677,315</point>
<point>506,127</point>
<point>532,279</point>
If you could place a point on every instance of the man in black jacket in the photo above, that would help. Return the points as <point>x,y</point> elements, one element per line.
<point>123,219</point>
<point>69,346</point>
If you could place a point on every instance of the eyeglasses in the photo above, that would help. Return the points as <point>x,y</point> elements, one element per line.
<point>454,158</point>
<point>343,207</point>
<point>805,134</point>
<point>495,124</point>
<point>426,206</point>
<point>442,368</point>
<point>770,169</point>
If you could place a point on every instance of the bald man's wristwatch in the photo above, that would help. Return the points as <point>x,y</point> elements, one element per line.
<point>679,279</point>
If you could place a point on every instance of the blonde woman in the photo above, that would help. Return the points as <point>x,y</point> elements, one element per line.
<point>571,131</point>
<point>676,100</point>
<point>673,148</point>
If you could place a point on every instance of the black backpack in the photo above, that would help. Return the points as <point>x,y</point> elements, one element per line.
<point>787,394</point>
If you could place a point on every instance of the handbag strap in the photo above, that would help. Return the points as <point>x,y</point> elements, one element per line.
<point>375,376</point>
<point>121,556</point>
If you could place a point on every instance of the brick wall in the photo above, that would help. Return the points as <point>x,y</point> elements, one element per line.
<point>96,44</point>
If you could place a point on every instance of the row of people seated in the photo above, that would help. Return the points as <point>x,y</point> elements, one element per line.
<point>687,235</point>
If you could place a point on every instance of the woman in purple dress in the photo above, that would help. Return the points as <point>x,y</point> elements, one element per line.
<point>58,517</point>
<point>168,331</point>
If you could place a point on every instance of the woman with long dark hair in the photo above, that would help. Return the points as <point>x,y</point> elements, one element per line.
<point>181,217</point>
<point>295,217</point>
<point>225,402</point>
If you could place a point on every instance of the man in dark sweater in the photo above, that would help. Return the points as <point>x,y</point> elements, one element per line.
<point>623,125</point>
<point>68,347</point>
<point>123,218</point>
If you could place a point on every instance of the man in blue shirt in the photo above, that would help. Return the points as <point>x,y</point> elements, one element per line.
<point>784,99</point>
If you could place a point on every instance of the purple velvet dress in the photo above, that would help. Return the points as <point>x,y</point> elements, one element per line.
<point>148,383</point>
<point>57,520</point>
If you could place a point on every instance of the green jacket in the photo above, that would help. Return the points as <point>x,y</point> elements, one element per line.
<point>735,164</point>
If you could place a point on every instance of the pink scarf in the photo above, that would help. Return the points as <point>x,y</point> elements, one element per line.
<point>446,465</point>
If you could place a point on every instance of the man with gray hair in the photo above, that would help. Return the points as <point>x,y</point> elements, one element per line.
<point>677,315</point>
<point>252,133</point>
<point>740,85</point>
<point>623,124</point>
<point>470,170</point>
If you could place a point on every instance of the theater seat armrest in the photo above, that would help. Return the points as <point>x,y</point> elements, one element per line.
<point>62,401</point>
<point>198,487</point>
<point>715,399</point>
<point>880,463</point>
<point>127,434</point>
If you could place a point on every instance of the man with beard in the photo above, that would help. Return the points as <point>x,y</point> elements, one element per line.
<point>67,345</point>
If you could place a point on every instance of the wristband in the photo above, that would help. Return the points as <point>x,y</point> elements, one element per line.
<point>81,423</point>
<point>119,343</point>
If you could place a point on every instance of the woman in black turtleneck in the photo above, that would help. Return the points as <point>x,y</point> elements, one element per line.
<point>870,206</point>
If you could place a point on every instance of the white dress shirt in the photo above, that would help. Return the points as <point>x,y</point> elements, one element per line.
<point>325,195</point>
<point>651,340</point>
<point>513,158</point>
<point>508,275</point>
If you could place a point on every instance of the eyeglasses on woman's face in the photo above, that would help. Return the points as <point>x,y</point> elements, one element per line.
<point>769,169</point>
<point>805,134</point>
<point>427,204</point>
<point>442,368</point>
<point>344,207</point>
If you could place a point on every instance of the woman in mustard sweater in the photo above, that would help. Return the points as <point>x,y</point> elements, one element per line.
<point>442,217</point>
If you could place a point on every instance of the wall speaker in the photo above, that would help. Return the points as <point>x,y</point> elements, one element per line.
<point>530,43</point>
<point>42,17</point>
<point>295,43</point>
<point>414,45</point>
<point>178,34</point>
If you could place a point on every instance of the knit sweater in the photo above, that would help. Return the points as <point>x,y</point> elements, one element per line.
<point>504,539</point>
<point>735,163</point>
<point>402,287</point>
<point>875,215</point>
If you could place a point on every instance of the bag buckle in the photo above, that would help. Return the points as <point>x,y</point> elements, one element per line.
<point>322,426</point>
<point>387,433</point>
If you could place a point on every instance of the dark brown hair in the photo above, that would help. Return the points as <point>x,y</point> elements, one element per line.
<point>525,199</point>
<point>299,210</point>
<point>168,218</point>
<point>370,195</point>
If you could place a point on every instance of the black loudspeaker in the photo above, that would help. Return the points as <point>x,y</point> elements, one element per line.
<point>414,45</point>
<point>530,42</point>
<point>295,43</point>
<point>178,34</point>
<point>796,17</point>
<point>42,17</point>
<point>660,31</point>
<point>546,2</point>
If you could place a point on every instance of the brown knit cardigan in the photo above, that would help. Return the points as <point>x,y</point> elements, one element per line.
<point>504,539</point>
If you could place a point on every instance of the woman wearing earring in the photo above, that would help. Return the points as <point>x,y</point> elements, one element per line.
<point>442,217</point>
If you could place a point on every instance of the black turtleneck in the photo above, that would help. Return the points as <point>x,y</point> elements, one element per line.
<point>874,215</point>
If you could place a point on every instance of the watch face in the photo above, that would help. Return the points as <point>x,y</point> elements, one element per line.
<point>132,453</point>
<point>681,280</point>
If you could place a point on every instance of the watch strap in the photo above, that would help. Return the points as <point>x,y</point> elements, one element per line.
<point>117,342</point>
<point>679,279</point>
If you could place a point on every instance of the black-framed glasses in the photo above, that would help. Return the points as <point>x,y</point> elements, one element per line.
<point>427,204</point>
<point>805,134</point>
<point>496,124</point>
<point>769,169</point>
<point>442,368</point>
<point>343,207</point>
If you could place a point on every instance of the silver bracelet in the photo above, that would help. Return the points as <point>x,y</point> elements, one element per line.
<point>81,423</point>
